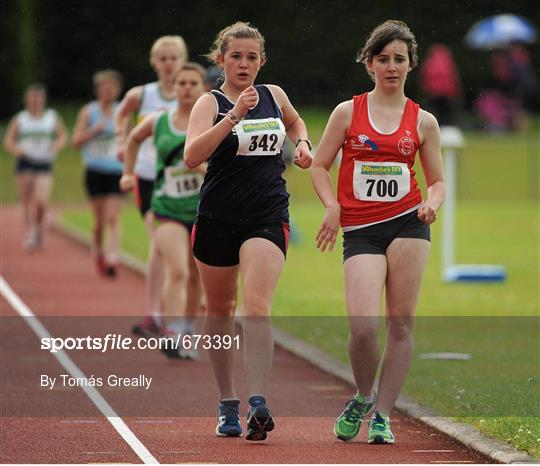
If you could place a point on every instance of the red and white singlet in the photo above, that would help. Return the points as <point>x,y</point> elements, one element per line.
<point>376,179</point>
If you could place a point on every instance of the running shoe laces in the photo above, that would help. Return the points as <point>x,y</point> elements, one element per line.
<point>354,411</point>
<point>378,422</point>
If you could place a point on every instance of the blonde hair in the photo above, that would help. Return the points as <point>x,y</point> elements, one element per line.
<point>176,41</point>
<point>238,30</point>
<point>103,75</point>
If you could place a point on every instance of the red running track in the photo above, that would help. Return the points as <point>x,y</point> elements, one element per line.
<point>174,420</point>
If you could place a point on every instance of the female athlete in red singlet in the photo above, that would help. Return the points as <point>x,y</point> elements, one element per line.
<point>384,220</point>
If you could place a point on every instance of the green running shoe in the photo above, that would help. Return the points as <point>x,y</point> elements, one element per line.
<point>379,429</point>
<point>349,421</point>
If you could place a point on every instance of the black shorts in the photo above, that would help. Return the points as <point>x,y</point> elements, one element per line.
<point>164,218</point>
<point>143,194</point>
<point>218,243</point>
<point>25,164</point>
<point>100,184</point>
<point>375,239</point>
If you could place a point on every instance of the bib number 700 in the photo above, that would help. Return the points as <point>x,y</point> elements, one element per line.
<point>381,181</point>
<point>382,187</point>
<point>264,142</point>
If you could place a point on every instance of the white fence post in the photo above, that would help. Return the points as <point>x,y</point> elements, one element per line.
<point>452,141</point>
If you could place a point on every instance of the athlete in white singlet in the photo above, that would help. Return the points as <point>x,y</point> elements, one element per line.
<point>167,56</point>
<point>34,136</point>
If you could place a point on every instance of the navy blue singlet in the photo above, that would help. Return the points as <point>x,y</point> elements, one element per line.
<point>244,182</point>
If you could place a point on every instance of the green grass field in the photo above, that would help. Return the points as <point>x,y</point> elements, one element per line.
<point>497,222</point>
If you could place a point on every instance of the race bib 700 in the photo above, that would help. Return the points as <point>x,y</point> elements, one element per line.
<point>381,181</point>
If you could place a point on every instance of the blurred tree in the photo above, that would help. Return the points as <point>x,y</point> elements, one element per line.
<point>311,45</point>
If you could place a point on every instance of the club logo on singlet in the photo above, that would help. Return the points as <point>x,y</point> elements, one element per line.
<point>406,146</point>
<point>362,142</point>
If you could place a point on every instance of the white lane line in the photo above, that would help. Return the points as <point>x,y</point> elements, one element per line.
<point>39,329</point>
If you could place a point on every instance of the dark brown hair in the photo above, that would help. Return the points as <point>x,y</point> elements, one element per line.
<point>192,66</point>
<point>40,87</point>
<point>385,33</point>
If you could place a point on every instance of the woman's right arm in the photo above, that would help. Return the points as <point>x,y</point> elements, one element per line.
<point>10,138</point>
<point>81,132</point>
<point>332,140</point>
<point>203,137</point>
<point>130,104</point>
<point>137,135</point>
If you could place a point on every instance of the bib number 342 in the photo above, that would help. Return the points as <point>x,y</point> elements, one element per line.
<point>260,137</point>
<point>383,181</point>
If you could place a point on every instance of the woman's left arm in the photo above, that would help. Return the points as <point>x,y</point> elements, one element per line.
<point>431,159</point>
<point>61,135</point>
<point>295,127</point>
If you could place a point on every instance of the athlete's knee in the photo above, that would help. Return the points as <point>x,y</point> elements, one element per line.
<point>178,275</point>
<point>40,204</point>
<point>400,328</point>
<point>363,333</point>
<point>220,308</point>
<point>254,304</point>
<point>112,221</point>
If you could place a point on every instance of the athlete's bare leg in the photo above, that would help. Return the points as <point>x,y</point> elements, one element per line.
<point>220,287</point>
<point>43,184</point>
<point>194,287</point>
<point>112,209</point>
<point>170,239</point>
<point>261,263</point>
<point>365,275</point>
<point>156,271</point>
<point>407,258</point>
<point>98,232</point>
<point>25,187</point>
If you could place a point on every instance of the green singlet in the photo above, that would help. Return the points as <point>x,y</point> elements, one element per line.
<point>176,188</point>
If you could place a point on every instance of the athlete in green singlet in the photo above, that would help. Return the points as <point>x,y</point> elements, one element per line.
<point>174,201</point>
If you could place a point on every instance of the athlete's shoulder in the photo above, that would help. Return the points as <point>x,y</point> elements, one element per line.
<point>346,105</point>
<point>275,90</point>
<point>135,93</point>
<point>209,98</point>
<point>50,113</point>
<point>90,107</point>
<point>272,87</point>
<point>19,116</point>
<point>344,109</point>
<point>427,121</point>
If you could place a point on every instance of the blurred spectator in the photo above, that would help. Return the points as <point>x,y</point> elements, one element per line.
<point>516,80</point>
<point>441,85</point>
<point>495,110</point>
